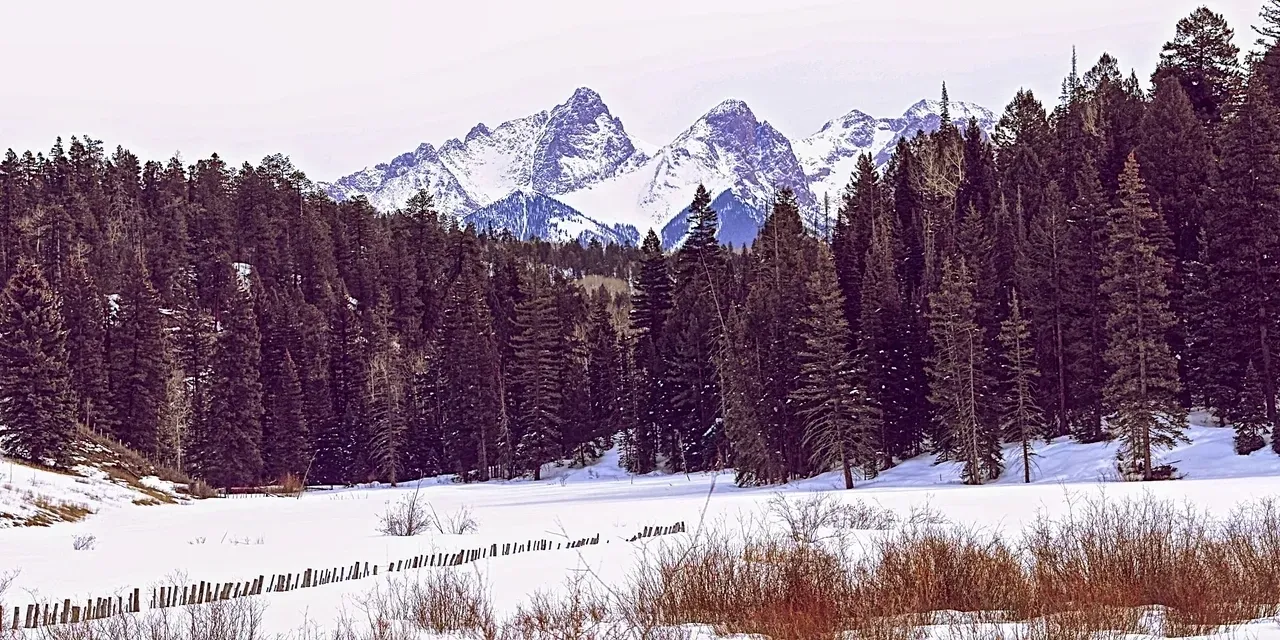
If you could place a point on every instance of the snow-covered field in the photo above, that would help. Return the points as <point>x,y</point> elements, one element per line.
<point>240,539</point>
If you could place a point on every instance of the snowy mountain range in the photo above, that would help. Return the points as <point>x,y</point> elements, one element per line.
<point>575,173</point>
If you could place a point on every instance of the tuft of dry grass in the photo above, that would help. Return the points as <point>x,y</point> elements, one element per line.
<point>291,485</point>
<point>201,490</point>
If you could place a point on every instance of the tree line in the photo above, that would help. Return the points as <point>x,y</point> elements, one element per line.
<point>1091,270</point>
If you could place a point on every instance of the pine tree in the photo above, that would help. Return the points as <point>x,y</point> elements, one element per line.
<point>693,331</point>
<point>314,372</point>
<point>1242,238</point>
<point>1251,422</point>
<point>1142,390</point>
<point>1020,417</point>
<point>1206,63</point>
<point>37,407</point>
<point>138,363</point>
<point>754,463</point>
<point>650,307</point>
<point>882,350</point>
<point>1048,274</point>
<point>85,311</point>
<point>1084,329</point>
<point>470,402</point>
<point>781,258</point>
<point>840,418</point>
<point>603,372</point>
<point>345,457</point>
<point>286,446</point>
<point>1022,139</point>
<point>1269,31</point>
<point>536,374</point>
<point>958,386</point>
<point>230,446</point>
<point>852,237</point>
<point>386,393</point>
<point>286,441</point>
<point>1178,168</point>
<point>194,337</point>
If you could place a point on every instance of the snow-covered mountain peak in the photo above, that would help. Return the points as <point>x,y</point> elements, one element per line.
<point>830,155</point>
<point>582,143</point>
<point>478,131</point>
<point>577,164</point>
<point>847,121</point>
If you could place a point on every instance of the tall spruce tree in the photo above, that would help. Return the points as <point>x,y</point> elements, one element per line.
<point>782,257</point>
<point>1020,417</point>
<point>1048,273</point>
<point>386,392</point>
<point>230,452</point>
<point>840,418</point>
<point>1250,421</point>
<point>1241,253</point>
<point>469,398</point>
<point>1206,63</point>
<point>85,312</point>
<point>650,307</point>
<point>882,350</point>
<point>537,374</point>
<point>1085,331</point>
<point>1141,392</point>
<point>861,203</point>
<point>37,407</point>
<point>138,363</point>
<point>959,388</point>
<point>693,331</point>
<point>1178,168</point>
<point>604,371</point>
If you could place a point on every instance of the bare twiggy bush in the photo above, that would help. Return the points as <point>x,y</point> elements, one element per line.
<point>445,601</point>
<point>1116,568</point>
<point>84,542</point>
<point>236,619</point>
<point>413,515</point>
<point>201,490</point>
<point>927,569</point>
<point>1208,573</point>
<point>460,522</point>
<point>820,517</point>
<point>410,516</point>
<point>579,613</point>
<point>770,586</point>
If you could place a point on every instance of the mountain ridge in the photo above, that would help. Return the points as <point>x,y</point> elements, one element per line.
<point>581,163</point>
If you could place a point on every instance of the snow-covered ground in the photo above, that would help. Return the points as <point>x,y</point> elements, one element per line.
<point>240,539</point>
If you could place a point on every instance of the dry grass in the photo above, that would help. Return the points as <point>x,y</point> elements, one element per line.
<point>51,511</point>
<point>1128,567</point>
<point>291,485</point>
<point>201,490</point>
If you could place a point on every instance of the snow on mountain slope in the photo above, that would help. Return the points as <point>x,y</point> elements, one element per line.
<point>581,155</point>
<point>389,186</point>
<point>727,149</point>
<point>528,214</point>
<point>576,144</point>
<point>831,155</point>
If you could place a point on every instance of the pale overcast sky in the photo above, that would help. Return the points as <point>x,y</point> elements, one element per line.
<point>342,85</point>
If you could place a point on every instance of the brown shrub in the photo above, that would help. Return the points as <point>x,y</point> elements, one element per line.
<point>768,586</point>
<point>201,490</point>
<point>926,569</point>
<point>291,484</point>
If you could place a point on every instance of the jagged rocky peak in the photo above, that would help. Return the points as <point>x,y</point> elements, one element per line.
<point>581,144</point>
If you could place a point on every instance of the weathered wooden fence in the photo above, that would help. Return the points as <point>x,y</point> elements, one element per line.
<point>206,592</point>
